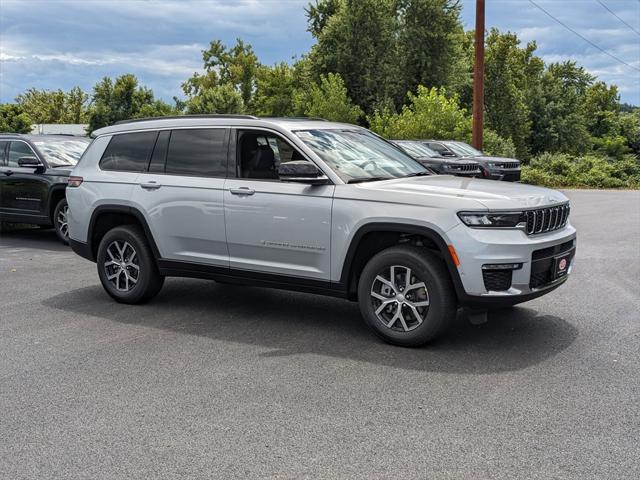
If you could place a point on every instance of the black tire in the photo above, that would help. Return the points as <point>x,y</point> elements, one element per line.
<point>148,281</point>
<point>59,221</point>
<point>426,267</point>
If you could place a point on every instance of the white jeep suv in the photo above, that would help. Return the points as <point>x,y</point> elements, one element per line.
<point>313,206</point>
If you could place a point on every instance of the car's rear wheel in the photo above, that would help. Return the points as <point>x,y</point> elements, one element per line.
<point>406,295</point>
<point>60,222</point>
<point>126,266</point>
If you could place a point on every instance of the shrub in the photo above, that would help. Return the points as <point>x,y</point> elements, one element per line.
<point>494,144</point>
<point>591,171</point>
<point>431,114</point>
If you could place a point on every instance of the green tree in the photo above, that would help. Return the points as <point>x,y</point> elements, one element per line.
<point>14,119</point>
<point>430,45</point>
<point>217,99</point>
<point>557,119</point>
<point>357,39</point>
<point>55,106</point>
<point>601,107</point>
<point>328,100</point>
<point>430,114</point>
<point>224,69</point>
<point>629,128</point>
<point>511,75</point>
<point>123,99</point>
<point>274,95</point>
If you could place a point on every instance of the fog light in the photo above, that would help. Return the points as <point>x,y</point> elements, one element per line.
<point>502,266</point>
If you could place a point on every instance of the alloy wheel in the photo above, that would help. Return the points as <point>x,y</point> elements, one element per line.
<point>61,221</point>
<point>121,267</point>
<point>400,299</point>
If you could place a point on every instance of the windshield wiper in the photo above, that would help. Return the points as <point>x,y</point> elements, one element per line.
<point>367,179</point>
<point>418,174</point>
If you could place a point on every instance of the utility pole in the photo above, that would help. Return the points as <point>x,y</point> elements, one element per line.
<point>478,77</point>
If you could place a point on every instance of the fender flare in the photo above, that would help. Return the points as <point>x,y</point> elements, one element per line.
<point>126,210</point>
<point>427,232</point>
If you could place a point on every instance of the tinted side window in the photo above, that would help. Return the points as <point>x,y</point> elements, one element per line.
<point>156,165</point>
<point>3,148</point>
<point>18,150</point>
<point>201,152</point>
<point>128,152</point>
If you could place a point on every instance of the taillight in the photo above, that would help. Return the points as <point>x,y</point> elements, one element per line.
<point>74,181</point>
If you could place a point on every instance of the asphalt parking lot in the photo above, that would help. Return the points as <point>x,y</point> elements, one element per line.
<point>218,381</point>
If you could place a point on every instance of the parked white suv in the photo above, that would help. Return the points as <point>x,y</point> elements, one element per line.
<point>313,206</point>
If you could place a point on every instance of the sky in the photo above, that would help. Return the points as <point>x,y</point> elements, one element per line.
<point>53,44</point>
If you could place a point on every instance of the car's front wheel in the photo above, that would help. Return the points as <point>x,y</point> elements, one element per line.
<point>126,266</point>
<point>406,295</point>
<point>60,222</point>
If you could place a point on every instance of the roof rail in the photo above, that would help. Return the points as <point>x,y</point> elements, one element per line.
<point>316,119</point>
<point>174,117</point>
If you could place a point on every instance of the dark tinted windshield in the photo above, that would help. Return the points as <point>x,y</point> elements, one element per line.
<point>359,154</point>
<point>417,149</point>
<point>463,149</point>
<point>62,152</point>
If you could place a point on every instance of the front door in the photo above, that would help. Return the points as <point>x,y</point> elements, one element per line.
<point>181,194</point>
<point>24,192</point>
<point>274,226</point>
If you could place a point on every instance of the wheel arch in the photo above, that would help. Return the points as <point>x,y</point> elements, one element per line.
<point>106,217</point>
<point>56,193</point>
<point>364,245</point>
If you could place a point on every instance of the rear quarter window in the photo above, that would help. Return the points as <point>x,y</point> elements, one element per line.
<point>197,151</point>
<point>128,152</point>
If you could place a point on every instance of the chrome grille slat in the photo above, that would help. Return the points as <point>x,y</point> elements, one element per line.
<point>542,220</point>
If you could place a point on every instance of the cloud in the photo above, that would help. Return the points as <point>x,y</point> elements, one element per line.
<point>65,43</point>
<point>60,44</point>
<point>556,44</point>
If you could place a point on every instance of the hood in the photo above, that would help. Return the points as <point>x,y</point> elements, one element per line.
<point>487,158</point>
<point>452,160</point>
<point>474,193</point>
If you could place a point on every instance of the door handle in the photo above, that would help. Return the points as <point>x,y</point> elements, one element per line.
<point>242,191</point>
<point>150,185</point>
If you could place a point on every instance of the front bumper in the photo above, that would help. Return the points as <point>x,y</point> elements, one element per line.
<point>504,174</point>
<point>476,248</point>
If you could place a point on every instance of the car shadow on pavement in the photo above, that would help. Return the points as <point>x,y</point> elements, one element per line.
<point>290,323</point>
<point>31,237</point>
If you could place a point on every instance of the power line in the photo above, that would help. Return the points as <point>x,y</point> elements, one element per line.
<point>615,15</point>
<point>583,37</point>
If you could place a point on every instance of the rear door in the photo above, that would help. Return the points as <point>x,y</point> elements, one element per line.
<point>181,195</point>
<point>274,226</point>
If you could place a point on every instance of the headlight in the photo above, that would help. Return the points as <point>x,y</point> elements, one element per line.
<point>493,220</point>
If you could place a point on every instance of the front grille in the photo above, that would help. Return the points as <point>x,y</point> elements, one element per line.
<point>552,251</point>
<point>544,220</point>
<point>508,165</point>
<point>497,280</point>
<point>540,279</point>
<point>465,168</point>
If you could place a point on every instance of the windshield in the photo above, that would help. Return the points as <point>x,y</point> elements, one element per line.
<point>62,152</point>
<point>359,155</point>
<point>416,149</point>
<point>462,148</point>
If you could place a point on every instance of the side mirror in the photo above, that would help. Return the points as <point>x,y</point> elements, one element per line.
<point>301,171</point>
<point>30,162</point>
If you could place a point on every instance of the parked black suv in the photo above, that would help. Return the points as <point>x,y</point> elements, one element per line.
<point>445,165</point>
<point>33,176</point>
<point>495,168</point>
